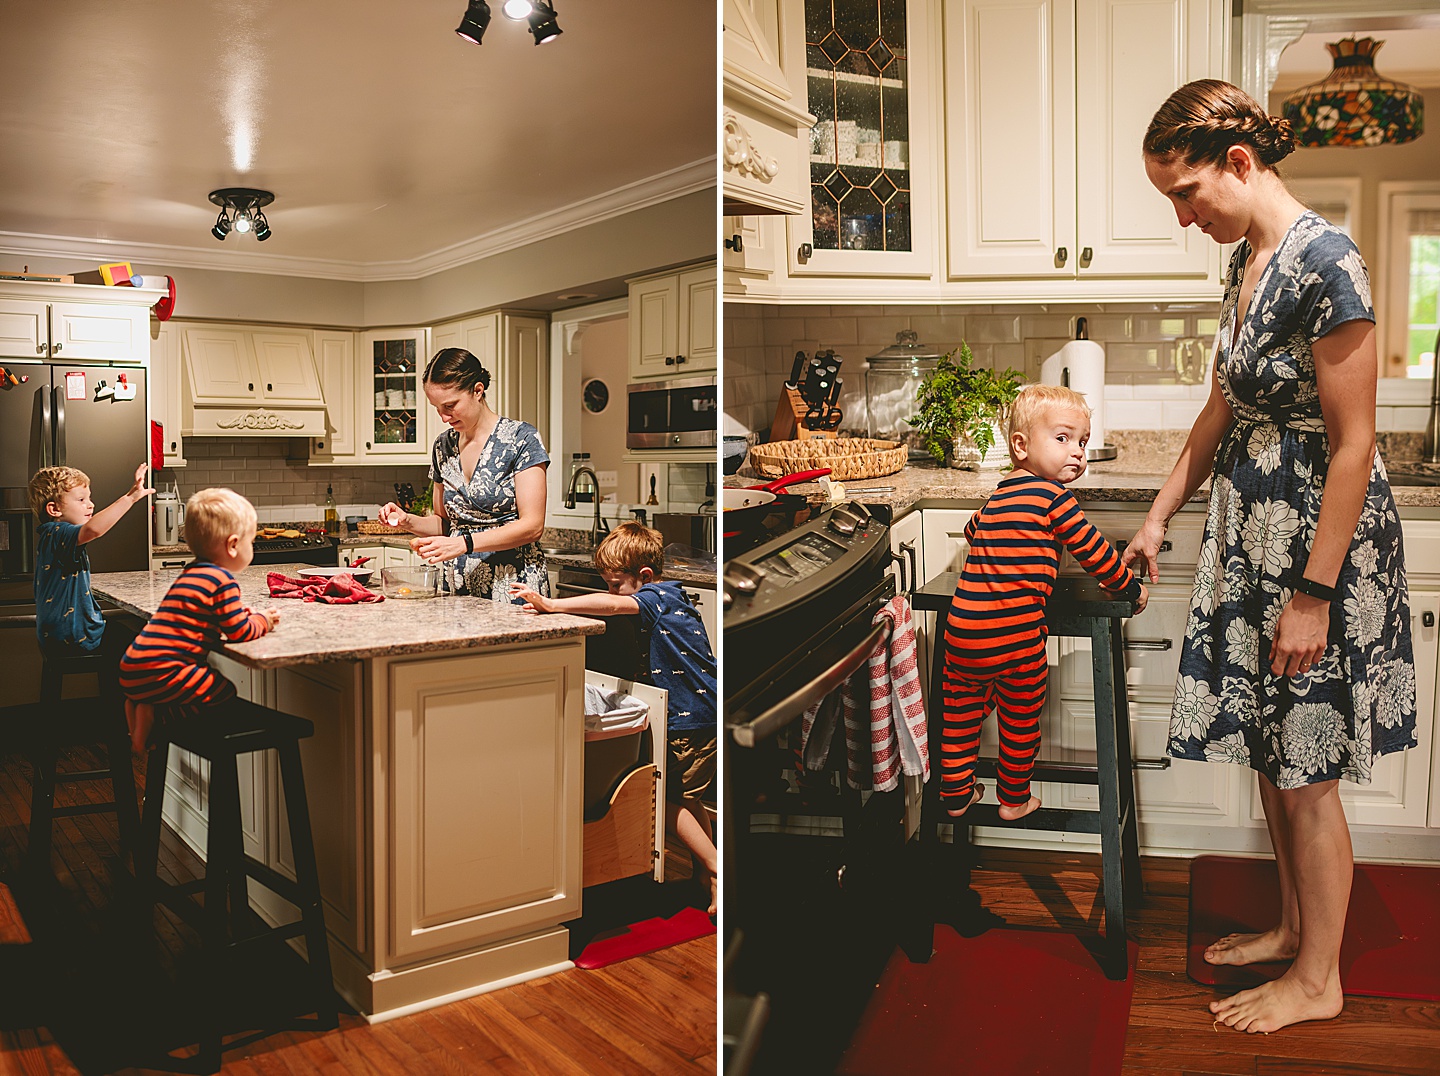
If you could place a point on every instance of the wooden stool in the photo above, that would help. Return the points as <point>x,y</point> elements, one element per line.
<point>55,724</point>
<point>234,729</point>
<point>1078,607</point>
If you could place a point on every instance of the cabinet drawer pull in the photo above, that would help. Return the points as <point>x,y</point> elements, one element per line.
<point>1152,763</point>
<point>1159,645</point>
<point>1085,255</point>
<point>1061,256</point>
<point>1427,618</point>
<point>1165,546</point>
<point>39,349</point>
<point>59,347</point>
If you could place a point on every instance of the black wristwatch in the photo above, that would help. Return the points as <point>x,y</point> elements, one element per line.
<point>1316,590</point>
<point>469,542</point>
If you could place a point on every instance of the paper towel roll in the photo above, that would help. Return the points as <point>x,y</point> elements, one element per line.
<point>1084,361</point>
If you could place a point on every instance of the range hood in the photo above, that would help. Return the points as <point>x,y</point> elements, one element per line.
<point>250,383</point>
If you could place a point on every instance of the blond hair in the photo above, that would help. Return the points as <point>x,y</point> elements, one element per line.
<point>212,516</point>
<point>630,547</point>
<point>52,483</point>
<point>1037,401</point>
<point>1201,120</point>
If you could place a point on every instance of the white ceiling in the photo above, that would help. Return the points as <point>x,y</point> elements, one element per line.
<point>393,147</point>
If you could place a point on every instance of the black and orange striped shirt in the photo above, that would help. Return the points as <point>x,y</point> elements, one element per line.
<point>199,612</point>
<point>1015,541</point>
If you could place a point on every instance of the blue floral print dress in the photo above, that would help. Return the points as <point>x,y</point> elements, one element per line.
<point>1358,702</point>
<point>488,500</point>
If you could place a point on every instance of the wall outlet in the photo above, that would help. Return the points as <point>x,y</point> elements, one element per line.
<point>608,479</point>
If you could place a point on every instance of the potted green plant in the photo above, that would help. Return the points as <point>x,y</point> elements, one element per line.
<point>962,406</point>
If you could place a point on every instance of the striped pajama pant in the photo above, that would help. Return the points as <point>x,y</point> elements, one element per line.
<point>1014,684</point>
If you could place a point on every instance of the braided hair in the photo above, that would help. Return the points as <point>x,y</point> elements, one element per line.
<point>454,367</point>
<point>1201,121</point>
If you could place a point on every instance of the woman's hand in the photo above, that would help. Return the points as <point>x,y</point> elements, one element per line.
<point>437,548</point>
<point>1145,548</point>
<point>534,603</point>
<point>392,515</point>
<point>1300,635</point>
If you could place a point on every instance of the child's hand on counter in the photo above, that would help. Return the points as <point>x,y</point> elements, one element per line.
<point>272,617</point>
<point>534,603</point>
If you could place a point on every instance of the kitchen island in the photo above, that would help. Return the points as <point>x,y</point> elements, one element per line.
<point>444,778</point>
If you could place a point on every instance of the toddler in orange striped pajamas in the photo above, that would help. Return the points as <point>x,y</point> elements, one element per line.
<point>994,633</point>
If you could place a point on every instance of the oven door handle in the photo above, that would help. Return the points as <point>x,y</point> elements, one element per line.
<point>783,712</point>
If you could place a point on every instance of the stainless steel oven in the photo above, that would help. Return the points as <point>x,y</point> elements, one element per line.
<point>680,412</point>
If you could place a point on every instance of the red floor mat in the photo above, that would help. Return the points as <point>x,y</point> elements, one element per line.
<point>645,937</point>
<point>1010,1002</point>
<point>1392,932</point>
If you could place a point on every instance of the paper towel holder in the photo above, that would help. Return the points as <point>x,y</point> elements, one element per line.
<point>1098,453</point>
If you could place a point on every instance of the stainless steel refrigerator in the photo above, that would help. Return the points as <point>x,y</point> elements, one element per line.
<point>105,437</point>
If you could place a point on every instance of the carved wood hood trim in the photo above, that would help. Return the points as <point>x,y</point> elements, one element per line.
<point>260,419</point>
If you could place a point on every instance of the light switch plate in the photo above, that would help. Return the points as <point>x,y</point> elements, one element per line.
<point>608,479</point>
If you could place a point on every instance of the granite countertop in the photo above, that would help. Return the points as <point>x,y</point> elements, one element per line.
<point>310,633</point>
<point>1141,467</point>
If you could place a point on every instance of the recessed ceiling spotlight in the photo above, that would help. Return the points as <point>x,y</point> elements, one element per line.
<point>240,211</point>
<point>477,18</point>
<point>569,295</point>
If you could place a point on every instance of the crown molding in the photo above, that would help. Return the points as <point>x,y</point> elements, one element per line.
<point>653,190</point>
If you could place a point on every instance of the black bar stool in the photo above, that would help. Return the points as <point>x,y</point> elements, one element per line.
<point>234,729</point>
<point>56,724</point>
<point>1078,607</point>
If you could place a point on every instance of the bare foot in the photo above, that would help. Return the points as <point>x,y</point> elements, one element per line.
<point>714,882</point>
<point>975,793</point>
<point>1271,1006</point>
<point>1011,813</point>
<point>1274,944</point>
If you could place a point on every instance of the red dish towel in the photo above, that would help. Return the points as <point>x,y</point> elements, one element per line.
<point>884,709</point>
<point>329,590</point>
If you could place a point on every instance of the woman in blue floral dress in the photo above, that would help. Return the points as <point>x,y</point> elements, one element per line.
<point>1297,658</point>
<point>489,475</point>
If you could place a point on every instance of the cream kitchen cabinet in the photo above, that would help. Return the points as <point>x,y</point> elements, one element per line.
<point>514,348</point>
<point>703,599</point>
<point>167,377</point>
<point>105,331</point>
<point>269,367</point>
<point>335,361</point>
<point>674,322</point>
<point>747,255</point>
<point>1047,102</point>
<point>395,424</point>
<point>871,169</point>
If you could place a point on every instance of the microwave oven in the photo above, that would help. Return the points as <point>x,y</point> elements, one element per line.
<point>674,413</point>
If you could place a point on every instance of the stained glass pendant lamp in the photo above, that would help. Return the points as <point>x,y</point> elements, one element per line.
<point>1354,105</point>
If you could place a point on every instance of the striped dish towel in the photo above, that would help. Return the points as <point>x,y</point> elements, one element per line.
<point>883,708</point>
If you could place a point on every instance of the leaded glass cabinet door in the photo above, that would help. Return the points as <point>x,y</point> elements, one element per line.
<point>870,155</point>
<point>392,362</point>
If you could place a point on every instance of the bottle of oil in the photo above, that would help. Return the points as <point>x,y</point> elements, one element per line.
<point>332,517</point>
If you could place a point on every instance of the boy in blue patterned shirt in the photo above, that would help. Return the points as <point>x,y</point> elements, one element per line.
<point>67,617</point>
<point>631,559</point>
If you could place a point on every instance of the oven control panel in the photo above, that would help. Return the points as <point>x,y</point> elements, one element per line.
<point>802,563</point>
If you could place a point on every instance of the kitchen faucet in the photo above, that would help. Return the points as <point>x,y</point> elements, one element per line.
<point>1431,452</point>
<point>599,527</point>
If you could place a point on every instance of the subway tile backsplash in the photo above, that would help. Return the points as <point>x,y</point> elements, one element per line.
<point>1147,346</point>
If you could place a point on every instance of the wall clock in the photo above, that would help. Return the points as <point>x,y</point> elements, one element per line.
<point>595,394</point>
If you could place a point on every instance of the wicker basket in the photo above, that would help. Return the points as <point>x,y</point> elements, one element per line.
<point>373,526</point>
<point>847,457</point>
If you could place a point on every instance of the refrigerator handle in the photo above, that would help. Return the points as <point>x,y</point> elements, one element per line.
<point>46,423</point>
<point>59,426</point>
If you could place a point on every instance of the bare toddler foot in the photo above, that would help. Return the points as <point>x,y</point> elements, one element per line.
<point>1274,944</point>
<point>1011,812</point>
<point>975,793</point>
<point>1274,1005</point>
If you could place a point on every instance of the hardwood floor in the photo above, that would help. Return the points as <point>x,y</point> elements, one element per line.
<point>84,989</point>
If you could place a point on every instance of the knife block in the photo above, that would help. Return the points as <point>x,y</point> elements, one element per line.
<point>789,424</point>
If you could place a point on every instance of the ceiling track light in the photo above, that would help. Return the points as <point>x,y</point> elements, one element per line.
<point>540,14</point>
<point>241,211</point>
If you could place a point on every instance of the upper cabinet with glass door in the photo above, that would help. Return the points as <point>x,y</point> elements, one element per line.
<point>871,191</point>
<point>396,424</point>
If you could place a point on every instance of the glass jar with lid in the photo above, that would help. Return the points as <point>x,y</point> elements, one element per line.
<point>891,381</point>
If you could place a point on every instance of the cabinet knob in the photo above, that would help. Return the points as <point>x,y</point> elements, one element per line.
<point>1085,255</point>
<point>269,387</point>
<point>172,446</point>
<point>59,348</point>
<point>1061,256</point>
<point>367,444</point>
<point>804,252</point>
<point>735,243</point>
<point>1427,618</point>
<point>252,386</point>
<point>669,360</point>
<point>40,349</point>
<point>679,360</point>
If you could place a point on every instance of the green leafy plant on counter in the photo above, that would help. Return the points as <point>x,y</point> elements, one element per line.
<point>959,398</point>
<point>422,505</point>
